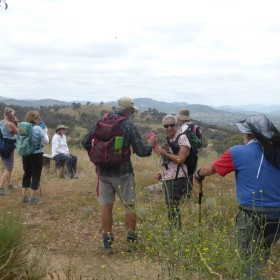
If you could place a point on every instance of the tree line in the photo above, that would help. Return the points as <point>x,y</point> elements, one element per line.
<point>150,120</point>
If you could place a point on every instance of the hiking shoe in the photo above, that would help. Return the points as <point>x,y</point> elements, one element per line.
<point>12,187</point>
<point>132,241</point>
<point>108,240</point>
<point>25,199</point>
<point>2,191</point>
<point>35,201</point>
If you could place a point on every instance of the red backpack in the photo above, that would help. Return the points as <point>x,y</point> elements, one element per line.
<point>107,143</point>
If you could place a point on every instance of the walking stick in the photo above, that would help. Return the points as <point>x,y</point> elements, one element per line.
<point>40,191</point>
<point>200,201</point>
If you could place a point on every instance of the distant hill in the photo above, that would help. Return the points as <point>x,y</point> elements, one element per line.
<point>252,108</point>
<point>34,103</point>
<point>172,108</point>
<point>223,115</point>
<point>198,112</point>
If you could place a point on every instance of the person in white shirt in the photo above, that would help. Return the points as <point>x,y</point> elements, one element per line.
<point>60,152</point>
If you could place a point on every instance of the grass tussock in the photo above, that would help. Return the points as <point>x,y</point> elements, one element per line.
<point>16,261</point>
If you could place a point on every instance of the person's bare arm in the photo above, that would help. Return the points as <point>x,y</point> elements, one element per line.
<point>180,158</point>
<point>207,170</point>
<point>12,128</point>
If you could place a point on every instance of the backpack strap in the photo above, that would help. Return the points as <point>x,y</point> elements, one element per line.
<point>179,165</point>
<point>112,116</point>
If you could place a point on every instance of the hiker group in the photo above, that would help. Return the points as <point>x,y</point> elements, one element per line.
<point>256,165</point>
<point>112,140</point>
<point>28,138</point>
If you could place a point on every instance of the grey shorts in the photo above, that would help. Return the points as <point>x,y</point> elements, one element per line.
<point>8,163</point>
<point>124,186</point>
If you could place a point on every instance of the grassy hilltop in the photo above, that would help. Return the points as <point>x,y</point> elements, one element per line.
<point>64,241</point>
<point>61,239</point>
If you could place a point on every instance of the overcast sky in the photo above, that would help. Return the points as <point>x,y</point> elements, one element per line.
<point>207,52</point>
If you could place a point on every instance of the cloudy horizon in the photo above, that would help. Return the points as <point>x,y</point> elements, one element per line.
<point>199,52</point>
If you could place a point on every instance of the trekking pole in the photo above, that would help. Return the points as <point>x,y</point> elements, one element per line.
<point>200,194</point>
<point>40,191</point>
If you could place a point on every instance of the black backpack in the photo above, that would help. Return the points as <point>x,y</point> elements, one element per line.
<point>191,160</point>
<point>7,145</point>
<point>104,142</point>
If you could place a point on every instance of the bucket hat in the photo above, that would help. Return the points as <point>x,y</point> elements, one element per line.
<point>60,126</point>
<point>184,115</point>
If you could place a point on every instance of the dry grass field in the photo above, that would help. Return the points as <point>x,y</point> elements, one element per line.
<point>66,228</point>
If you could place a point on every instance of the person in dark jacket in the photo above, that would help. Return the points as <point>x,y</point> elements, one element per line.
<point>257,193</point>
<point>120,180</point>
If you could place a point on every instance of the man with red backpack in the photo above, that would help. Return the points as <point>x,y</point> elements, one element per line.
<point>118,178</point>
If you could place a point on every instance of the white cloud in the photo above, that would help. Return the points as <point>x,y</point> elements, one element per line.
<point>209,52</point>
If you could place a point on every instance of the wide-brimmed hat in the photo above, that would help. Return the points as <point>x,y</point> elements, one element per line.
<point>256,124</point>
<point>126,102</point>
<point>60,126</point>
<point>184,115</point>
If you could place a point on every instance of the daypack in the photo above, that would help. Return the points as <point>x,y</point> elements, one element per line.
<point>7,145</point>
<point>88,140</point>
<point>24,146</point>
<point>191,160</point>
<point>107,143</point>
<point>197,141</point>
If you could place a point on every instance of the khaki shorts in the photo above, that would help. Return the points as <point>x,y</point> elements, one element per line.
<point>124,186</point>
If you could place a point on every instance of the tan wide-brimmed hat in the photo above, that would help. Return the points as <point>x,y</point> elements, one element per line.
<point>60,126</point>
<point>184,115</point>
<point>126,102</point>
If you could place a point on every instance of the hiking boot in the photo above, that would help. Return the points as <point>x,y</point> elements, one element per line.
<point>12,187</point>
<point>35,201</point>
<point>132,240</point>
<point>108,240</point>
<point>25,199</point>
<point>2,191</point>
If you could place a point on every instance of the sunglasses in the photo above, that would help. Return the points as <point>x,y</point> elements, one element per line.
<point>169,125</point>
